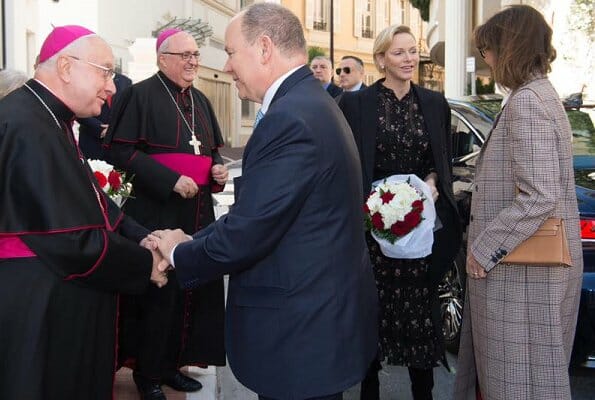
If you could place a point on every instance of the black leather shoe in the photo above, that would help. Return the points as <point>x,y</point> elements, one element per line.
<point>149,389</point>
<point>181,382</point>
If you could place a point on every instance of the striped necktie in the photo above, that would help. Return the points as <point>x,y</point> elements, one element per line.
<point>259,116</point>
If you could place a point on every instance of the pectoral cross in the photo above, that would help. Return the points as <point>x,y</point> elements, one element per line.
<point>196,144</point>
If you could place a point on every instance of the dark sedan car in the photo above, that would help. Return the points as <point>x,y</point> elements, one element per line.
<point>472,119</point>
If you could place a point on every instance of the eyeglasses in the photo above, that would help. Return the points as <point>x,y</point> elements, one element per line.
<point>482,51</point>
<point>347,70</point>
<point>108,73</point>
<point>186,56</point>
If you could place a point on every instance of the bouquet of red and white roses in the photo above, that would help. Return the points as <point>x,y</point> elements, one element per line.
<point>400,214</point>
<point>113,182</point>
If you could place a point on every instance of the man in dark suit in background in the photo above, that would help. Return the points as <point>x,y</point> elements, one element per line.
<point>351,74</point>
<point>301,319</point>
<point>92,130</point>
<point>322,68</point>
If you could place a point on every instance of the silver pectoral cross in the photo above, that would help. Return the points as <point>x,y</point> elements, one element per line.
<point>196,144</point>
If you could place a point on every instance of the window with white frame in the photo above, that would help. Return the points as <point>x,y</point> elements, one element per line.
<point>321,13</point>
<point>368,19</point>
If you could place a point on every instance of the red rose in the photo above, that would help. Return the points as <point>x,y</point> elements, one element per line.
<point>418,205</point>
<point>366,208</point>
<point>412,219</point>
<point>399,228</point>
<point>101,179</point>
<point>387,197</point>
<point>377,221</point>
<point>114,179</point>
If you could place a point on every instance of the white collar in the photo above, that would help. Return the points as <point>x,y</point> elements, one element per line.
<point>356,87</point>
<point>270,93</point>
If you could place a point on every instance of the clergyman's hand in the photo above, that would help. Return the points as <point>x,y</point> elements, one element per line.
<point>186,187</point>
<point>158,277</point>
<point>167,239</point>
<point>149,242</point>
<point>219,173</point>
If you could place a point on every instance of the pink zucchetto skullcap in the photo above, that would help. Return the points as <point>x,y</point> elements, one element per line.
<point>60,37</point>
<point>164,35</point>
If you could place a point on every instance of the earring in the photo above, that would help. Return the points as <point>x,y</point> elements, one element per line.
<point>382,67</point>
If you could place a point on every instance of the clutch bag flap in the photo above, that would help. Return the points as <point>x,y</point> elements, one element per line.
<point>548,246</point>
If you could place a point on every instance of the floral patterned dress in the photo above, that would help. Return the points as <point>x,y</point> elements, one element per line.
<point>410,328</point>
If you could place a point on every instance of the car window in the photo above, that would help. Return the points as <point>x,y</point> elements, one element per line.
<point>583,133</point>
<point>464,141</point>
<point>482,125</point>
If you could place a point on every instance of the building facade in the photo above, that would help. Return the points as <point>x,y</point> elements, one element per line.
<point>129,27</point>
<point>356,23</point>
<point>445,40</point>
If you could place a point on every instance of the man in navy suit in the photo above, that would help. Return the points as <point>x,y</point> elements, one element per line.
<point>302,306</point>
<point>322,68</point>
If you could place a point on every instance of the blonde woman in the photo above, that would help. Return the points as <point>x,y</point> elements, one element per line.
<point>402,128</point>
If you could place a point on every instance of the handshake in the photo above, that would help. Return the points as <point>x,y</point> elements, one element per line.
<point>161,244</point>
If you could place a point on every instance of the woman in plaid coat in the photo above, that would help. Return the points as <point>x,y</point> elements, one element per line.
<point>519,321</point>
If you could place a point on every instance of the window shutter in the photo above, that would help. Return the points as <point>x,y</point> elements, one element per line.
<point>380,23</point>
<point>336,15</point>
<point>357,18</point>
<point>310,14</point>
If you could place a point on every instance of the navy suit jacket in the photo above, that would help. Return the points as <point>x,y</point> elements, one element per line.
<point>333,89</point>
<point>302,303</point>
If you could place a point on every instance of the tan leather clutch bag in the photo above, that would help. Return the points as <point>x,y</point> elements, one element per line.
<point>548,246</point>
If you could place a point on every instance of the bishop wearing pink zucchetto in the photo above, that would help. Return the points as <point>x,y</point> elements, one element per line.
<point>62,241</point>
<point>164,131</point>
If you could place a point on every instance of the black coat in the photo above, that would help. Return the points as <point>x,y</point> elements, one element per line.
<point>90,129</point>
<point>360,110</point>
<point>333,89</point>
<point>58,309</point>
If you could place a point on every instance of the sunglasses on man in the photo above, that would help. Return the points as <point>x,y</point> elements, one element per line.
<point>347,70</point>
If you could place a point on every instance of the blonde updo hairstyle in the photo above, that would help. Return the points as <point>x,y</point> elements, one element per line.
<point>385,39</point>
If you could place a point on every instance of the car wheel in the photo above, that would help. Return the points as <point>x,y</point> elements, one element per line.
<point>451,292</point>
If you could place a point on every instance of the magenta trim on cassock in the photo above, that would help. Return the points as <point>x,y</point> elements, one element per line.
<point>196,167</point>
<point>14,247</point>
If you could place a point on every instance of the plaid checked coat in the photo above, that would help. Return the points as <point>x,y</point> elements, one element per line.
<point>519,322</point>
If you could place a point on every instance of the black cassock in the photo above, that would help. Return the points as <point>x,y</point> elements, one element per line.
<point>167,328</point>
<point>58,299</point>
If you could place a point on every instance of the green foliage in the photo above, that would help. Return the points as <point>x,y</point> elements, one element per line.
<point>481,88</point>
<point>424,8</point>
<point>580,121</point>
<point>314,51</point>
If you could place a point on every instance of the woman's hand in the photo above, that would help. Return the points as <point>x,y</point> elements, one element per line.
<point>474,269</point>
<point>431,181</point>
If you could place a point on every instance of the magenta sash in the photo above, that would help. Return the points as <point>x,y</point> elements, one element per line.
<point>196,167</point>
<point>14,247</point>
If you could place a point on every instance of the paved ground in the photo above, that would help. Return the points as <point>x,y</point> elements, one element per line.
<point>220,384</point>
<point>394,384</point>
